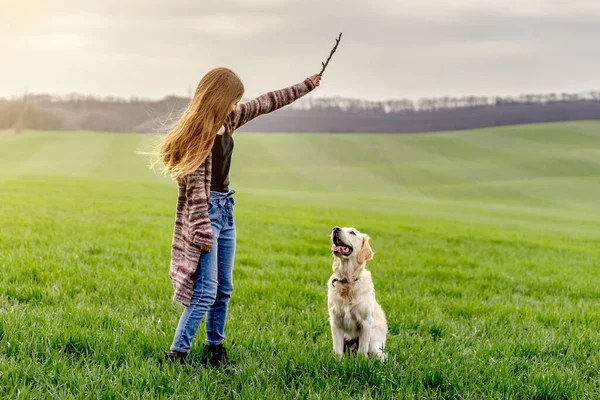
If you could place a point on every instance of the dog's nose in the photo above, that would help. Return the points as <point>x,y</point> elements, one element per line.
<point>337,229</point>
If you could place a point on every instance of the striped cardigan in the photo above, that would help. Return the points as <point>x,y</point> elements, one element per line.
<point>193,234</point>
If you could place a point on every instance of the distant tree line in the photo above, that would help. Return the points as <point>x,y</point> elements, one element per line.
<point>335,114</point>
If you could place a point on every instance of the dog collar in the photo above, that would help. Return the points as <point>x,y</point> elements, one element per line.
<point>342,281</point>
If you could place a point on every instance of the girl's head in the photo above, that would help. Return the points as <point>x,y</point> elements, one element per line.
<point>188,143</point>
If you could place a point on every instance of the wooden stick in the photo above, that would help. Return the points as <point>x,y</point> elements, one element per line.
<point>337,42</point>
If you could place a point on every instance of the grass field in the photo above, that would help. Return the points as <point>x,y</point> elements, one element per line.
<point>487,265</point>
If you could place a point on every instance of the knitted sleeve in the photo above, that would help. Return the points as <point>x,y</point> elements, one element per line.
<point>198,195</point>
<point>193,233</point>
<point>269,102</point>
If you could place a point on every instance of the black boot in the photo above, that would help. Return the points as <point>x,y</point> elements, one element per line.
<point>175,356</point>
<point>214,355</point>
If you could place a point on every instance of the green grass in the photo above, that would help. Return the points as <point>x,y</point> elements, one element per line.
<point>487,257</point>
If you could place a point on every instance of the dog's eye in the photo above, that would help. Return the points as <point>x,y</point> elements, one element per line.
<point>353,233</point>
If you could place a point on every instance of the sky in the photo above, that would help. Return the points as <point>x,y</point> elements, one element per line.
<point>390,49</point>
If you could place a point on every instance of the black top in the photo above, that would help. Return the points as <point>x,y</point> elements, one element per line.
<point>221,162</point>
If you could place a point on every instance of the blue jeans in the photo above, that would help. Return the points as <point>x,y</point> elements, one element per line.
<point>213,282</point>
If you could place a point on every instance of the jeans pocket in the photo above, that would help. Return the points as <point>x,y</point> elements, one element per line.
<point>213,211</point>
<point>213,205</point>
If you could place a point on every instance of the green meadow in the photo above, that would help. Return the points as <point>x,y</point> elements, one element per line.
<point>487,266</point>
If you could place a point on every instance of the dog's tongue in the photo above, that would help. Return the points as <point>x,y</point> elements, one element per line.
<point>340,249</point>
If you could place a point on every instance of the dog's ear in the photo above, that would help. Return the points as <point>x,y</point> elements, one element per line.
<point>365,252</point>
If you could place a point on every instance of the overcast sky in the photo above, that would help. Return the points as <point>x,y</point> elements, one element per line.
<point>390,49</point>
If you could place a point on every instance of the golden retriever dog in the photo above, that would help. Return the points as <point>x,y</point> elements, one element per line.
<point>354,314</point>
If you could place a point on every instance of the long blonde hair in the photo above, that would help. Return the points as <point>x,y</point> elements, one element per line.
<point>189,142</point>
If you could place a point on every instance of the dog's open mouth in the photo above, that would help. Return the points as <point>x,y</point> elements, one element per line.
<point>339,248</point>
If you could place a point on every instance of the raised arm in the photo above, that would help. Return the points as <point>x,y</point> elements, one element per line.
<point>269,102</point>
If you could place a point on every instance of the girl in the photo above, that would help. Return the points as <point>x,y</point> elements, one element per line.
<point>197,154</point>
